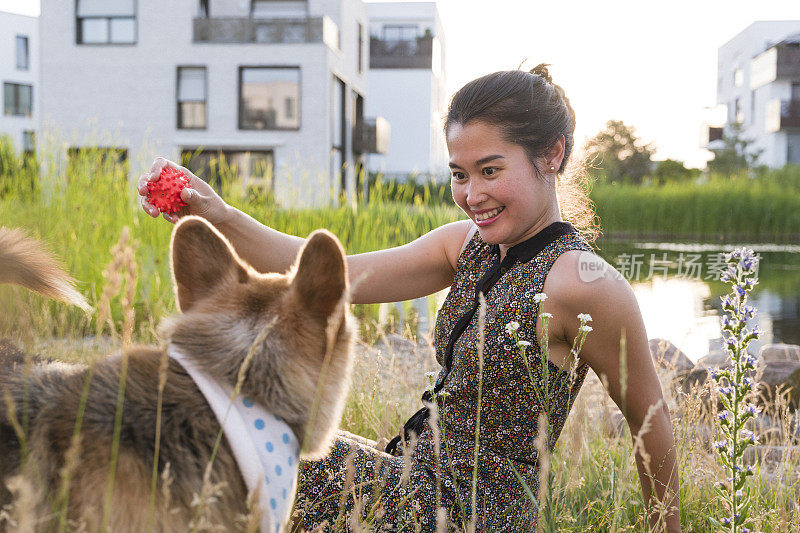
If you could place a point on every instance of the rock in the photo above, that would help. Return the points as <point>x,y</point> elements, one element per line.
<point>771,454</point>
<point>780,374</point>
<point>780,352</point>
<point>615,424</point>
<point>715,359</point>
<point>667,356</point>
<point>784,375</point>
<point>397,344</point>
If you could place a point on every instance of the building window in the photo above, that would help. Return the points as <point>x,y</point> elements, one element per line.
<point>285,9</point>
<point>22,53</point>
<point>400,39</point>
<point>204,11</point>
<point>106,22</point>
<point>263,96</point>
<point>18,99</point>
<point>28,141</point>
<point>252,170</point>
<point>738,111</point>
<point>360,48</point>
<point>191,98</point>
<point>738,77</point>
<point>338,108</point>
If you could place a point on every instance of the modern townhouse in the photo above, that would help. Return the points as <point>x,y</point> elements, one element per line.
<point>277,87</point>
<point>759,83</point>
<point>407,57</point>
<point>19,73</point>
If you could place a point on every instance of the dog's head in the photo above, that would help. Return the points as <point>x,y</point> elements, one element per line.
<point>296,326</point>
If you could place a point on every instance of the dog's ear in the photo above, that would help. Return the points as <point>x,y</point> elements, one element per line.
<point>320,279</point>
<point>201,260</point>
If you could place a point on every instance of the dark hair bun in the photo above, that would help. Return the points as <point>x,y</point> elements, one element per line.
<point>541,70</point>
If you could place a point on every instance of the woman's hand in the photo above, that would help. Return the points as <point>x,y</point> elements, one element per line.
<point>200,198</point>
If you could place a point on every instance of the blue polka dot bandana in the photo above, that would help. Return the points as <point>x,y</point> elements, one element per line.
<point>265,448</point>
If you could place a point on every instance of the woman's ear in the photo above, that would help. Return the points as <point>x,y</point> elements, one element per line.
<point>555,155</point>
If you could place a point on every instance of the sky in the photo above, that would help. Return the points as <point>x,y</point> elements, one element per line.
<point>651,64</point>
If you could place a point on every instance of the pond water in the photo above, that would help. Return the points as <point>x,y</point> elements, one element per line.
<point>678,290</point>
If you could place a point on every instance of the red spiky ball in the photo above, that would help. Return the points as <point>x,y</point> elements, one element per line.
<point>165,192</point>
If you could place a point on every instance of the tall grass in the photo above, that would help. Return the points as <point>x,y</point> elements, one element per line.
<point>765,207</point>
<point>82,209</point>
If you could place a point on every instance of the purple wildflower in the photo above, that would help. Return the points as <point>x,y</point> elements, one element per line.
<point>748,435</point>
<point>751,409</point>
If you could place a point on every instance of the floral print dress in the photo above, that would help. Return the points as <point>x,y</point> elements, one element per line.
<point>434,481</point>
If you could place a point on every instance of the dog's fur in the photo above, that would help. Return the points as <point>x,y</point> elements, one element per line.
<point>225,305</point>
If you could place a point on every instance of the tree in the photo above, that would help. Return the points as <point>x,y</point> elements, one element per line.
<point>671,169</point>
<point>735,153</point>
<point>617,151</point>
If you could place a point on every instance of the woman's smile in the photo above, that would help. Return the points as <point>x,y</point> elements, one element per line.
<point>484,218</point>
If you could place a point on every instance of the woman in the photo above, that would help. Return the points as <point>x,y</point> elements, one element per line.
<point>510,136</point>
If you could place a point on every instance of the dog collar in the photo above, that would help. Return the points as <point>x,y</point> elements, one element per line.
<point>265,447</point>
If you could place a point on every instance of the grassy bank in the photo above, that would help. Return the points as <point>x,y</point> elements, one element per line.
<point>765,207</point>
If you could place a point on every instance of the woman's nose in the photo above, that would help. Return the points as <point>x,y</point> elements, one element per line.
<point>476,194</point>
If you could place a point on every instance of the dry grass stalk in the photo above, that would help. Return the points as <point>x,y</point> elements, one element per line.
<point>163,365</point>
<point>120,271</point>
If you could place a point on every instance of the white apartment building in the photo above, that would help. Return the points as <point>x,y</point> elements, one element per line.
<point>759,83</point>
<point>276,86</point>
<point>19,75</point>
<point>407,87</point>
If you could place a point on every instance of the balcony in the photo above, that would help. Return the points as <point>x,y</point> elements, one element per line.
<point>266,31</point>
<point>782,115</point>
<point>416,53</point>
<point>788,63</point>
<point>779,62</point>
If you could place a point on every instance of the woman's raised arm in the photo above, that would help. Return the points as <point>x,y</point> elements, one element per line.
<point>416,269</point>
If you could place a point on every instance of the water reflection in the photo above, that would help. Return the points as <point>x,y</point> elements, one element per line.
<point>686,311</point>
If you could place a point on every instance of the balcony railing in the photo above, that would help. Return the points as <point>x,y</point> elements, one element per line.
<point>270,31</point>
<point>416,53</point>
<point>788,62</point>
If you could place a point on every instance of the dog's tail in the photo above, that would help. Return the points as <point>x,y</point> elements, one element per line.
<point>23,261</point>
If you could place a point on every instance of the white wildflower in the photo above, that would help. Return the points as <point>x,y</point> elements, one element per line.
<point>586,329</point>
<point>546,315</point>
<point>539,297</point>
<point>523,343</point>
<point>585,317</point>
<point>511,327</point>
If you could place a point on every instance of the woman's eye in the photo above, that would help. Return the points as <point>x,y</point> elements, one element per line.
<point>458,176</point>
<point>489,171</point>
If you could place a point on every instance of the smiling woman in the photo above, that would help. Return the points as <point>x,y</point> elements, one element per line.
<point>476,463</point>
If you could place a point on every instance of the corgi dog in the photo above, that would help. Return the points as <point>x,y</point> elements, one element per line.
<point>278,344</point>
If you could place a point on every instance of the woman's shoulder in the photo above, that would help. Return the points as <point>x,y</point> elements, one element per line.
<point>581,277</point>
